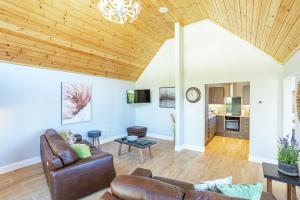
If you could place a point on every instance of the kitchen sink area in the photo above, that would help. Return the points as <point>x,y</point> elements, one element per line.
<point>227,110</point>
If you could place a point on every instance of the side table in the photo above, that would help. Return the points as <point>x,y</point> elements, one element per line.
<point>95,134</point>
<point>271,173</point>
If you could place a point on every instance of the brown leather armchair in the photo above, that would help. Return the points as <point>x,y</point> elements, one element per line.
<point>67,176</point>
<point>140,185</point>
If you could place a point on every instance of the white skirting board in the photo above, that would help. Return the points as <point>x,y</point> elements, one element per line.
<point>190,147</point>
<point>18,165</point>
<point>34,160</point>
<point>258,159</point>
<point>163,137</point>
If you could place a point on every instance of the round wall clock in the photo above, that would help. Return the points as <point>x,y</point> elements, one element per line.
<point>193,94</point>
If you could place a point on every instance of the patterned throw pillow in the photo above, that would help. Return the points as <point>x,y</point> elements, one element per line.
<point>212,185</point>
<point>68,136</point>
<point>250,191</point>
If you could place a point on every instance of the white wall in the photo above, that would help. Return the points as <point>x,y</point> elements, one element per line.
<point>30,102</point>
<point>292,70</point>
<point>214,55</point>
<point>159,73</point>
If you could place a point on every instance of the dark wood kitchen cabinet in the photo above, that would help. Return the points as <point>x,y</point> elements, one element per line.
<point>220,125</point>
<point>245,127</point>
<point>246,95</point>
<point>216,95</point>
<point>211,129</point>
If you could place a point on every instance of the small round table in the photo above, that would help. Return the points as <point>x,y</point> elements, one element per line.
<point>95,134</point>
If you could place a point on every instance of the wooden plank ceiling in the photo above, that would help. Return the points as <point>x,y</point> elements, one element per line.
<point>73,36</point>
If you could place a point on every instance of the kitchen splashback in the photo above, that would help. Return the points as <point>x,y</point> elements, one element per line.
<point>221,109</point>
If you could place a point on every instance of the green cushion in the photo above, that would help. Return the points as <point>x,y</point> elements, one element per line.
<point>82,150</point>
<point>251,192</point>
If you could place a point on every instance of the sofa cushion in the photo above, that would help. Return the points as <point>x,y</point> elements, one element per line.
<point>143,188</point>
<point>60,148</point>
<point>194,195</point>
<point>183,185</point>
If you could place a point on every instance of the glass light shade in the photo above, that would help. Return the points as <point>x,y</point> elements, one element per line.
<point>120,11</point>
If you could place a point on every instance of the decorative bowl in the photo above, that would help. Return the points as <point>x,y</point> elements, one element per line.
<point>132,138</point>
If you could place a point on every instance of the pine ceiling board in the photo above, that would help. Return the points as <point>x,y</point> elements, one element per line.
<point>41,56</point>
<point>291,43</point>
<point>238,16</point>
<point>229,23</point>
<point>265,5</point>
<point>64,37</point>
<point>250,6</point>
<point>218,9</point>
<point>282,13</point>
<point>272,13</point>
<point>256,16</point>
<point>287,26</point>
<point>243,7</point>
<point>72,35</point>
<point>224,13</point>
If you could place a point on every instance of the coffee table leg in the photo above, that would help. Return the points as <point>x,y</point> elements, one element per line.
<point>269,185</point>
<point>129,148</point>
<point>288,192</point>
<point>142,157</point>
<point>293,192</point>
<point>150,153</point>
<point>120,149</point>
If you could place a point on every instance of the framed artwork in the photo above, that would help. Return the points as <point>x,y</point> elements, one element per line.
<point>76,103</point>
<point>167,97</point>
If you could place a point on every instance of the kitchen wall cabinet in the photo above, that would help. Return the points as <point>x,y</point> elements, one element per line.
<point>246,95</point>
<point>216,95</point>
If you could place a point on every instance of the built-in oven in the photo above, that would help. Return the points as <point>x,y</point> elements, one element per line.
<point>232,123</point>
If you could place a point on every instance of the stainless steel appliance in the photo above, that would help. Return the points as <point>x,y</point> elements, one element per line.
<point>233,106</point>
<point>232,123</point>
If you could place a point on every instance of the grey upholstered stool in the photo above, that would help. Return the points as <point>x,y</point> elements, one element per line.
<point>95,134</point>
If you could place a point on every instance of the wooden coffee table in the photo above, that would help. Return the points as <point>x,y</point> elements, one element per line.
<point>271,173</point>
<point>136,144</point>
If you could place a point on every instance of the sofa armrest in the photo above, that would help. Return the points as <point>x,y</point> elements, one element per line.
<point>143,188</point>
<point>83,177</point>
<point>108,196</point>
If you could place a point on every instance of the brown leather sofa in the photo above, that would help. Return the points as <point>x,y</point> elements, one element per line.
<point>69,177</point>
<point>140,185</point>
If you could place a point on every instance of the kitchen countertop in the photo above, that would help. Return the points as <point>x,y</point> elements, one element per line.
<point>224,115</point>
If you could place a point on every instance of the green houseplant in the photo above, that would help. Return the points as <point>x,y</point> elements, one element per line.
<point>288,155</point>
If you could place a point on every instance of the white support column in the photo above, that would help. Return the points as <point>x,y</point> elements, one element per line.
<point>179,91</point>
<point>287,103</point>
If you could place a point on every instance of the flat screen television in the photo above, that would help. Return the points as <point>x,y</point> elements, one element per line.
<point>138,96</point>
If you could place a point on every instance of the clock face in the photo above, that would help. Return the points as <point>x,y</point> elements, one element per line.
<point>193,94</point>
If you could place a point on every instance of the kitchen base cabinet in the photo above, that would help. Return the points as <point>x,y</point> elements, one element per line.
<point>211,129</point>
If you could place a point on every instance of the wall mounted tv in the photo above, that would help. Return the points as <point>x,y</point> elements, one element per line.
<point>138,96</point>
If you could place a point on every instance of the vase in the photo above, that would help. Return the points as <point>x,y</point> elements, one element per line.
<point>290,170</point>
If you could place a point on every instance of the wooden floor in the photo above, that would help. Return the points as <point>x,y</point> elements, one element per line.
<point>223,157</point>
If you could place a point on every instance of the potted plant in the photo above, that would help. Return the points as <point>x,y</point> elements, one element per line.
<point>288,155</point>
